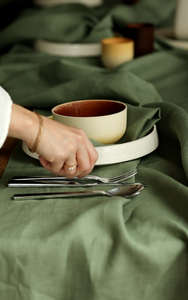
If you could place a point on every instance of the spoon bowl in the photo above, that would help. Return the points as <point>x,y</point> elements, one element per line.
<point>126,190</point>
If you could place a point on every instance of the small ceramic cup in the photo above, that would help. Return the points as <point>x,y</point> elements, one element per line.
<point>104,121</point>
<point>143,36</point>
<point>116,51</point>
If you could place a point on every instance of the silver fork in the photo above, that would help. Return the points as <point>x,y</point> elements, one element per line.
<point>115,179</point>
<point>112,179</point>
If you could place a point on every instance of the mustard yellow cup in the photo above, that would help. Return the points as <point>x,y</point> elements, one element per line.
<point>116,51</point>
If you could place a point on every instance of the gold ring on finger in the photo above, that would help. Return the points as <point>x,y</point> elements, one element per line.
<point>71,167</point>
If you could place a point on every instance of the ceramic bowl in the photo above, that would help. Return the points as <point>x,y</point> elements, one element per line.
<point>104,121</point>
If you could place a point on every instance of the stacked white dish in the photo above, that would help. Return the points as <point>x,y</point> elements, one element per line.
<point>69,50</point>
<point>90,3</point>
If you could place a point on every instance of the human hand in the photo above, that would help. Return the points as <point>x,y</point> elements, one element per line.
<point>60,146</point>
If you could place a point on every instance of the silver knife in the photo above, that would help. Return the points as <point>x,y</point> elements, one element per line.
<point>60,183</point>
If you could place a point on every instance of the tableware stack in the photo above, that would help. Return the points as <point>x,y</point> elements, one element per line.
<point>112,125</point>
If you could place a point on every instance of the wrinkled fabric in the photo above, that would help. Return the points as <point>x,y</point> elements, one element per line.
<point>98,248</point>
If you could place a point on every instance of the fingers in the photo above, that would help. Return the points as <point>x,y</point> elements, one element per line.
<point>78,169</point>
<point>69,153</point>
<point>86,162</point>
<point>86,156</point>
<point>64,169</point>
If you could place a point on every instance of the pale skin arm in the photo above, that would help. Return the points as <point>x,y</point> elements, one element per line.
<point>59,143</point>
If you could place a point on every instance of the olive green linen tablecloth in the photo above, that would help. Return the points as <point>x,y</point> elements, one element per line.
<point>99,248</point>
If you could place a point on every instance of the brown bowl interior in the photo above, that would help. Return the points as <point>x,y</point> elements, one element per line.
<point>140,25</point>
<point>89,108</point>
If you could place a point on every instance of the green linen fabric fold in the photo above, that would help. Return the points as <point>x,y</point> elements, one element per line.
<point>67,23</point>
<point>99,248</point>
<point>77,23</point>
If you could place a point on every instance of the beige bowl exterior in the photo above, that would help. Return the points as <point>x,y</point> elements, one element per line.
<point>105,129</point>
<point>116,51</point>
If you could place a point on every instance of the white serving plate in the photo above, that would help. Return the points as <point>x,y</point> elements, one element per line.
<point>117,153</point>
<point>90,3</point>
<point>72,50</point>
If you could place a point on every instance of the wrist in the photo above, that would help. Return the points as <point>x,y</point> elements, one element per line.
<point>24,125</point>
<point>39,135</point>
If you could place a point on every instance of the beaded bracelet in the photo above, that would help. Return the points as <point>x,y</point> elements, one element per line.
<point>34,148</point>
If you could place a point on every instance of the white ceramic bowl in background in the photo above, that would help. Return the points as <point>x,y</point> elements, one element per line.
<point>104,121</point>
<point>168,35</point>
<point>181,20</point>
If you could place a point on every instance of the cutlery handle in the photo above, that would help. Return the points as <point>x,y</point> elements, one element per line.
<point>41,183</point>
<point>44,196</point>
<point>50,177</point>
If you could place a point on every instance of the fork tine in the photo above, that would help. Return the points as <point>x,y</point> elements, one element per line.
<point>121,178</point>
<point>124,176</point>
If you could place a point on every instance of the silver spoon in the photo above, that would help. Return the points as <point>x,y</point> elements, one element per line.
<point>122,191</point>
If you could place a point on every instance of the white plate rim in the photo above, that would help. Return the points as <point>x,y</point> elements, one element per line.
<point>47,3</point>
<point>117,153</point>
<point>69,50</point>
